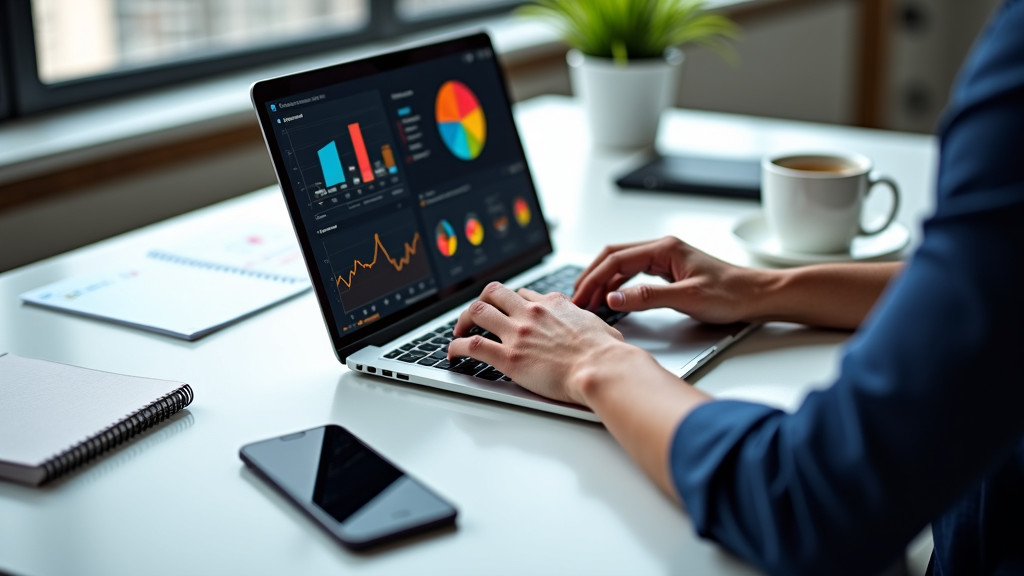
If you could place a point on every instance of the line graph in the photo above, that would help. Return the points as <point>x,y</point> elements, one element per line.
<point>378,249</point>
<point>376,261</point>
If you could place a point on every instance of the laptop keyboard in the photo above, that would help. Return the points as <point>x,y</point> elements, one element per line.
<point>431,348</point>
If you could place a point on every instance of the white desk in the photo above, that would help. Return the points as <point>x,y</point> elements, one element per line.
<point>537,494</point>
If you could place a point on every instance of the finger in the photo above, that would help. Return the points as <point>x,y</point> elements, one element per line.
<point>531,295</point>
<point>598,298</point>
<point>502,298</point>
<point>495,294</point>
<point>626,263</point>
<point>476,347</point>
<point>534,296</point>
<point>482,314</point>
<point>607,251</point>
<point>642,297</point>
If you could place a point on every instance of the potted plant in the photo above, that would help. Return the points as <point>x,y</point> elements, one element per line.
<point>626,56</point>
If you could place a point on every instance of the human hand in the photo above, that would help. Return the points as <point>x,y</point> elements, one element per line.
<point>547,344</point>
<point>699,285</point>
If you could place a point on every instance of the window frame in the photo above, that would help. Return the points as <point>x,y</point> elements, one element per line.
<point>26,94</point>
<point>5,83</point>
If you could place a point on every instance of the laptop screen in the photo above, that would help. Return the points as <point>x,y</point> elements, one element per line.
<point>406,182</point>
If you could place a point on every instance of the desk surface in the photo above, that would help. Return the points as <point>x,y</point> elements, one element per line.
<point>537,493</point>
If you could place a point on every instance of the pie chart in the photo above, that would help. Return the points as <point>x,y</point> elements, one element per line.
<point>460,120</point>
<point>447,242</point>
<point>474,230</point>
<point>522,212</point>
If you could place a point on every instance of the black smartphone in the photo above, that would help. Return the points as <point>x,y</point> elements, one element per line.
<point>704,175</point>
<point>353,492</point>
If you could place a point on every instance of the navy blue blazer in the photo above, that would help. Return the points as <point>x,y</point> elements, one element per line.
<point>924,424</point>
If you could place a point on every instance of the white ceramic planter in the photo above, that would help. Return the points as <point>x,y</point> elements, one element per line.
<point>624,103</point>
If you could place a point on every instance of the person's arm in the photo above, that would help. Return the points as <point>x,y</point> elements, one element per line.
<point>827,295</point>
<point>927,404</point>
<point>642,418</point>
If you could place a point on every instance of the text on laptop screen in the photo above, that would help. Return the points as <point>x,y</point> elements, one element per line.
<point>410,181</point>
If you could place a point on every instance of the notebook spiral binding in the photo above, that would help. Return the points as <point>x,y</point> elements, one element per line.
<point>133,425</point>
<point>156,254</point>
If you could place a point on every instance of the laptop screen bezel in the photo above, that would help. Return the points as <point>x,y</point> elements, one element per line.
<point>390,327</point>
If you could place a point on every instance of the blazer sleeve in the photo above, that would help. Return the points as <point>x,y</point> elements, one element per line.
<point>928,398</point>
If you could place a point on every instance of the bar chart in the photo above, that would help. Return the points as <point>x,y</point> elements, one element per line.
<point>344,151</point>
<point>359,145</point>
<point>334,174</point>
<point>330,164</point>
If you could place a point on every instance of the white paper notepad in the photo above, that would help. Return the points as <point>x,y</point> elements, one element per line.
<point>55,417</point>
<point>191,289</point>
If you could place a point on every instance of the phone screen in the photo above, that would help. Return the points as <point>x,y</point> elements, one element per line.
<point>704,175</point>
<point>353,492</point>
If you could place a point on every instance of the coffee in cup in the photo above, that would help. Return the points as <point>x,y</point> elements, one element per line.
<point>813,202</point>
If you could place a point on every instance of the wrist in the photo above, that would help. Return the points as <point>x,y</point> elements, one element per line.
<point>614,364</point>
<point>766,290</point>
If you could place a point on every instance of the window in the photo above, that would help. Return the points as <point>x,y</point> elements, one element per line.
<point>72,51</point>
<point>5,98</point>
<point>82,38</point>
<point>412,10</point>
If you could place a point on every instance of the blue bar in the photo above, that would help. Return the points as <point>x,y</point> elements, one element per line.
<point>404,111</point>
<point>331,164</point>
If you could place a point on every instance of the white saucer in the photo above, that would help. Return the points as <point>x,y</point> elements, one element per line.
<point>752,232</point>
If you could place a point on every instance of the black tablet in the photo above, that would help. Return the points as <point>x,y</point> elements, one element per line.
<point>704,175</point>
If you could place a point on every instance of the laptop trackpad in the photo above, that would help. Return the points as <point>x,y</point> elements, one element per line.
<point>674,339</point>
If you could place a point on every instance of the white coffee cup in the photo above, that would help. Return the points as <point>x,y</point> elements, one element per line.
<point>813,202</point>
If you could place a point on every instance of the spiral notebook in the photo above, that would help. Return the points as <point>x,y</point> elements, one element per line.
<point>56,417</point>
<point>192,289</point>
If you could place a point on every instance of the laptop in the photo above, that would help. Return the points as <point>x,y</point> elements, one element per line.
<point>408,188</point>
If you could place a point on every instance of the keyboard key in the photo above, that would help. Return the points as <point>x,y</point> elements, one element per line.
<point>463,363</point>
<point>394,353</point>
<point>412,356</point>
<point>428,361</point>
<point>490,374</point>
<point>476,330</point>
<point>469,366</point>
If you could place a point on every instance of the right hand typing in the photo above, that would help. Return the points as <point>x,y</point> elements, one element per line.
<point>699,285</point>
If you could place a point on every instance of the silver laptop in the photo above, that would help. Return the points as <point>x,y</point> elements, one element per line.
<point>408,188</point>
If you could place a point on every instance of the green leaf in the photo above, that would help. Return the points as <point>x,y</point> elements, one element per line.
<point>634,29</point>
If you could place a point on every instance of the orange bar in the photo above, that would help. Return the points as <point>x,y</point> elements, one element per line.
<point>361,155</point>
<point>389,157</point>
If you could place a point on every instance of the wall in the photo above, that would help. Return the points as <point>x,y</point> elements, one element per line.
<point>795,63</point>
<point>929,41</point>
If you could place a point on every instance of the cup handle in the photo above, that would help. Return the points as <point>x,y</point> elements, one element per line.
<point>872,181</point>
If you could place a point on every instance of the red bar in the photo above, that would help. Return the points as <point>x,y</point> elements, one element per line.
<point>361,156</point>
